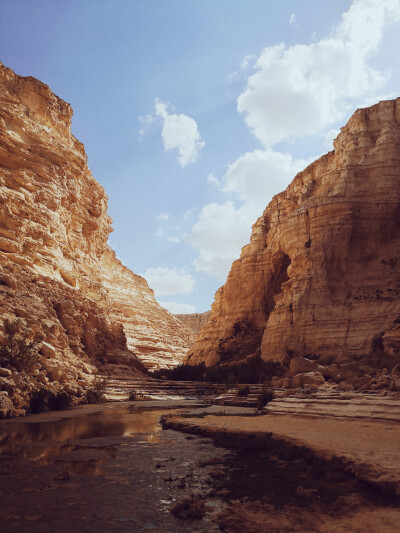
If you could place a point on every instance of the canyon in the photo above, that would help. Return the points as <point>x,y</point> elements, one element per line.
<point>59,279</point>
<point>320,278</point>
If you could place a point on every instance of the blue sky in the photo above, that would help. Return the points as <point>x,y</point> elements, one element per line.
<point>194,113</point>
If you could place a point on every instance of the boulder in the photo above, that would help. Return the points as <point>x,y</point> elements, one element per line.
<point>5,372</point>
<point>308,379</point>
<point>301,365</point>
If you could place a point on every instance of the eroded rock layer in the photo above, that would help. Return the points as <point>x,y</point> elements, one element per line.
<point>57,274</point>
<point>321,275</point>
<point>195,321</point>
<point>156,336</point>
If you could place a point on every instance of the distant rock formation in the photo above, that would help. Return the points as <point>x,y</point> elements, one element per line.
<point>57,274</point>
<point>195,321</point>
<point>321,275</point>
<point>156,336</point>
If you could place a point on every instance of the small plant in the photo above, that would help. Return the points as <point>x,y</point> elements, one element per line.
<point>265,397</point>
<point>17,350</point>
<point>133,395</point>
<point>95,394</point>
<point>243,390</point>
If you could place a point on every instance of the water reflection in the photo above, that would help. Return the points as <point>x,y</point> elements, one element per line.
<point>39,440</point>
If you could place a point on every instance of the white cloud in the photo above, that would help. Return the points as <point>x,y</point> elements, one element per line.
<point>247,61</point>
<point>222,229</point>
<point>293,19</point>
<point>212,180</point>
<point>329,137</point>
<point>163,216</point>
<point>178,308</point>
<point>301,89</point>
<point>175,240</point>
<point>145,120</point>
<point>160,232</point>
<point>294,92</point>
<point>218,235</point>
<point>257,176</point>
<point>188,213</point>
<point>167,281</point>
<point>179,132</point>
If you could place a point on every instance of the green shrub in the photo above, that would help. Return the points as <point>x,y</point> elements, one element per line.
<point>133,395</point>
<point>17,350</point>
<point>243,390</point>
<point>265,397</point>
<point>95,393</point>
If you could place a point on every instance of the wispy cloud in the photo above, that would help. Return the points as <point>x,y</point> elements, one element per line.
<point>164,217</point>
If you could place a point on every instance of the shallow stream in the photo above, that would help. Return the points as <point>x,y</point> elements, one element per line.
<point>116,470</point>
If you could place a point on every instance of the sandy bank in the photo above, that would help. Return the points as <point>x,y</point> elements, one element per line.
<point>368,448</point>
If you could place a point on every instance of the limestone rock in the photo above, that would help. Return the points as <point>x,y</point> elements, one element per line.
<point>307,379</point>
<point>158,338</point>
<point>195,321</point>
<point>299,365</point>
<point>47,349</point>
<point>6,405</point>
<point>321,273</point>
<point>57,273</point>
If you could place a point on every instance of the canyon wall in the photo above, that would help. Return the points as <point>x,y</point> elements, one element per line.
<point>195,321</point>
<point>321,274</point>
<point>158,338</point>
<point>58,276</point>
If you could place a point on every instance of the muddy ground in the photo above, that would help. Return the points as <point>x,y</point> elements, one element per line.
<point>116,470</point>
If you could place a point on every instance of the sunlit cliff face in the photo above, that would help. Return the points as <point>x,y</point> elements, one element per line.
<point>321,273</point>
<point>57,273</point>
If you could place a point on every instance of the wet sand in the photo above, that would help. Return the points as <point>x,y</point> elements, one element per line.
<point>307,473</point>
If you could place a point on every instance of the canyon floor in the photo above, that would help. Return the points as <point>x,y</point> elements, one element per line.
<point>113,468</point>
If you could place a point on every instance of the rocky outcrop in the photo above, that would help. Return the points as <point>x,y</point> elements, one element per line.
<point>195,321</point>
<point>58,277</point>
<point>321,275</point>
<point>158,338</point>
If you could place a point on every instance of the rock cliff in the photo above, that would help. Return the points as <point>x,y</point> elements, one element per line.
<point>158,338</point>
<point>321,275</point>
<point>58,277</point>
<point>195,321</point>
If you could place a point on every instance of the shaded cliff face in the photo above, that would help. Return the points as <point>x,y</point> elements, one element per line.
<point>321,275</point>
<point>195,321</point>
<point>57,274</point>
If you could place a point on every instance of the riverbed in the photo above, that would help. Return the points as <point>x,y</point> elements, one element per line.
<point>110,470</point>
